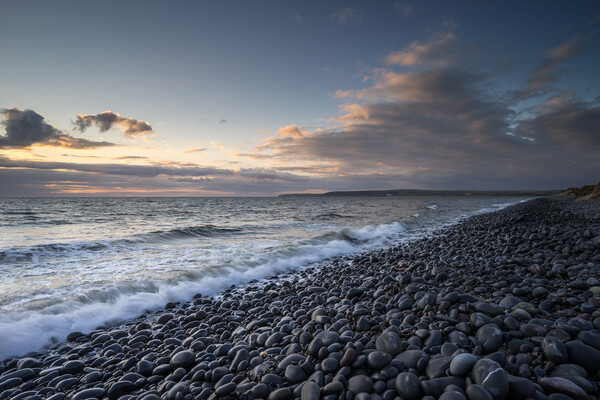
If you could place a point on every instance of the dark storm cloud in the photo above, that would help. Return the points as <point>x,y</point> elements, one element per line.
<point>106,120</point>
<point>25,128</point>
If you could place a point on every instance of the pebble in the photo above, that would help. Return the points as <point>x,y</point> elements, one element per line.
<point>182,359</point>
<point>119,389</point>
<point>408,386</point>
<point>310,391</point>
<point>376,360</point>
<point>563,386</point>
<point>490,337</point>
<point>555,350</point>
<point>360,383</point>
<point>490,376</point>
<point>389,342</point>
<point>462,364</point>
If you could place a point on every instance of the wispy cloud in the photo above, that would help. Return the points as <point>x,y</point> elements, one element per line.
<point>545,75</point>
<point>24,128</point>
<point>405,9</point>
<point>131,158</point>
<point>192,151</point>
<point>443,49</point>
<point>347,16</point>
<point>223,121</point>
<point>106,120</point>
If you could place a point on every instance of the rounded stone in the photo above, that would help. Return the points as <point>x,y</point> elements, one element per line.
<point>310,391</point>
<point>183,359</point>
<point>583,355</point>
<point>563,386</point>
<point>408,386</point>
<point>490,337</point>
<point>144,367</point>
<point>389,342</point>
<point>452,395</point>
<point>294,375</point>
<point>329,365</point>
<point>226,389</point>
<point>280,394</point>
<point>476,392</point>
<point>72,367</point>
<point>119,389</point>
<point>360,383</point>
<point>93,393</point>
<point>179,389</point>
<point>378,359</point>
<point>462,364</point>
<point>490,375</point>
<point>555,350</point>
<point>437,367</point>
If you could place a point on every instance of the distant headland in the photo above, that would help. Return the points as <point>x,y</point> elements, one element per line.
<point>416,192</point>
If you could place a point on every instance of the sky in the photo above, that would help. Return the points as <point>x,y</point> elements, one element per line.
<point>260,98</point>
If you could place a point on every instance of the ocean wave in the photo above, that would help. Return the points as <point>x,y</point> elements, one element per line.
<point>201,231</point>
<point>126,300</point>
<point>333,216</point>
<point>35,252</point>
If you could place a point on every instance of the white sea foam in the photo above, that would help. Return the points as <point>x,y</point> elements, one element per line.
<point>39,327</point>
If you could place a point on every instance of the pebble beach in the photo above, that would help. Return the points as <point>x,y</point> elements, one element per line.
<point>503,305</point>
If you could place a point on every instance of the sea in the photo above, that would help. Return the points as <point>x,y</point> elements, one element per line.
<point>73,264</point>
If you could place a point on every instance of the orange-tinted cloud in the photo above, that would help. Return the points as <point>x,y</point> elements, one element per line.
<point>106,120</point>
<point>439,51</point>
<point>192,151</point>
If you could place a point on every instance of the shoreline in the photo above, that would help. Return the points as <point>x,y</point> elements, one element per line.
<point>505,304</point>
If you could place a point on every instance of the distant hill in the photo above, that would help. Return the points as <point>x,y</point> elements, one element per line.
<point>415,192</point>
<point>587,192</point>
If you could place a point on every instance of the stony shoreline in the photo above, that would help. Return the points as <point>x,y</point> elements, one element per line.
<point>503,305</point>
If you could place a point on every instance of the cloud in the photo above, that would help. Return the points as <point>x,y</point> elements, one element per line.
<point>196,150</point>
<point>405,9</point>
<point>439,51</point>
<point>223,121</point>
<point>443,126</point>
<point>131,158</point>
<point>60,178</point>
<point>568,122</point>
<point>106,120</point>
<point>442,50</point>
<point>347,16</point>
<point>147,171</point>
<point>292,131</point>
<point>25,128</point>
<point>545,74</point>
